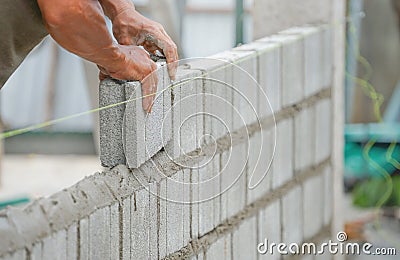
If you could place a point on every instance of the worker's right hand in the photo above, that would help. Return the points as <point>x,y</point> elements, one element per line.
<point>134,63</point>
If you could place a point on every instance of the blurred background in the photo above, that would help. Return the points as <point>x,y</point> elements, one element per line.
<point>52,83</point>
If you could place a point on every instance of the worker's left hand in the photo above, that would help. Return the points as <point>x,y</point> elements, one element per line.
<point>132,28</point>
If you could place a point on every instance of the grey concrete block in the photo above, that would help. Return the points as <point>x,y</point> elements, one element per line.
<point>187,206</point>
<point>175,228</point>
<point>283,159</point>
<point>209,190</point>
<point>111,122</point>
<point>313,69</point>
<point>55,246</point>
<point>194,206</point>
<point>84,241</point>
<point>140,225</point>
<point>221,249</point>
<point>145,134</point>
<point>99,234</point>
<point>269,227</point>
<point>9,234</point>
<point>72,242</point>
<point>313,211</point>
<point>259,173</point>
<point>292,216</point>
<point>323,132</point>
<point>244,242</point>
<point>269,75</point>
<point>125,215</point>
<point>17,255</point>
<point>327,56</point>
<point>153,221</point>
<point>187,116</point>
<point>115,231</point>
<point>134,130</point>
<point>304,140</point>
<point>163,221</point>
<point>36,251</point>
<point>233,171</point>
<point>30,221</point>
<point>292,62</point>
<point>328,195</point>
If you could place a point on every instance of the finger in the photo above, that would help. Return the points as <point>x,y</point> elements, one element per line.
<point>149,89</point>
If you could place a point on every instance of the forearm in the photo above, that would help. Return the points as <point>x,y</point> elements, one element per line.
<point>79,26</point>
<point>114,7</point>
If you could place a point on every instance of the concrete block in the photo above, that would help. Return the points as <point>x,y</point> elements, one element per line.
<point>99,234</point>
<point>269,227</point>
<point>292,62</point>
<point>30,221</point>
<point>292,216</point>
<point>111,92</point>
<point>145,134</point>
<point>114,231</point>
<point>36,251</point>
<point>244,242</point>
<point>55,246</point>
<point>221,249</point>
<point>304,141</point>
<point>84,243</point>
<point>125,215</point>
<point>328,195</point>
<point>175,231</point>
<point>312,40</point>
<point>187,206</point>
<point>194,206</point>
<point>72,242</point>
<point>327,56</point>
<point>188,107</point>
<point>233,170</point>
<point>283,159</point>
<point>140,228</point>
<point>162,216</point>
<point>323,134</point>
<point>11,238</point>
<point>17,255</point>
<point>313,212</point>
<point>269,75</point>
<point>243,70</point>
<point>134,130</point>
<point>259,172</point>
<point>153,221</point>
<point>208,186</point>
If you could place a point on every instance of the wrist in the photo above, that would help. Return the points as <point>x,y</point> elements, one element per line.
<point>111,58</point>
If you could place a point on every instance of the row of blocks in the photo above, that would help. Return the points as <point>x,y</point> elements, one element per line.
<point>214,96</point>
<point>144,227</point>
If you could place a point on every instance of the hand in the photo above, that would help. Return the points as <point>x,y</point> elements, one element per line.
<point>134,64</point>
<point>131,28</point>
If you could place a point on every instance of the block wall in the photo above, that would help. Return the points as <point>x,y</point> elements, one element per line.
<point>244,155</point>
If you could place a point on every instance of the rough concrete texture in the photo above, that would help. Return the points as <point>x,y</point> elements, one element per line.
<point>259,172</point>
<point>312,42</point>
<point>323,132</point>
<point>292,216</point>
<point>313,215</point>
<point>269,227</point>
<point>220,249</point>
<point>328,196</point>
<point>304,140</point>
<point>283,159</point>
<point>244,240</point>
<point>99,234</point>
<point>111,92</point>
<point>233,170</point>
<point>55,246</point>
<point>292,62</point>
